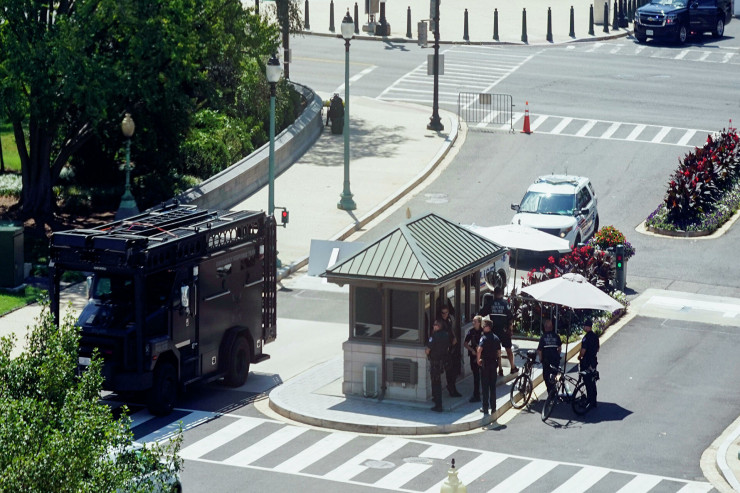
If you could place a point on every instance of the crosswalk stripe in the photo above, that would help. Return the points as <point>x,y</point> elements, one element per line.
<point>640,484</point>
<point>561,126</point>
<point>727,57</point>
<point>193,419</point>
<point>636,132</point>
<point>704,56</point>
<point>377,451</point>
<point>661,134</point>
<point>681,55</point>
<point>401,475</point>
<point>582,480</point>
<point>524,476</point>
<point>586,128</point>
<point>610,131</point>
<point>695,488</point>
<point>265,446</point>
<point>686,137</point>
<point>473,469</point>
<point>219,438</point>
<point>438,451</point>
<point>539,121</point>
<point>315,452</point>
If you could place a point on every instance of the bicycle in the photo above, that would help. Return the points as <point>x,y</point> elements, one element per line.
<point>521,389</point>
<point>567,389</point>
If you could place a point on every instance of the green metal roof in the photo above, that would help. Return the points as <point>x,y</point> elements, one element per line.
<point>427,250</point>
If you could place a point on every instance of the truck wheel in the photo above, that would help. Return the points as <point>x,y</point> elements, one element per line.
<point>164,391</point>
<point>239,358</point>
<point>641,38</point>
<point>719,28</point>
<point>682,35</point>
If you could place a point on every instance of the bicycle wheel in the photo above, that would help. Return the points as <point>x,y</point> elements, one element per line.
<point>552,398</point>
<point>580,401</point>
<point>521,391</point>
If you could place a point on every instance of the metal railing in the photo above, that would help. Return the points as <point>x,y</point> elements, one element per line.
<point>485,109</point>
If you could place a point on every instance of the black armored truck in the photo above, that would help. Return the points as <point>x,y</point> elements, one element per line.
<point>176,295</point>
<point>674,20</point>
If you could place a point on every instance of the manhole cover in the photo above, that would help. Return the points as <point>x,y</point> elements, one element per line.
<point>436,198</point>
<point>378,464</point>
<point>418,460</point>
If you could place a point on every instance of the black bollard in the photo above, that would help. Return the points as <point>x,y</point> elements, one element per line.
<point>524,25</point>
<point>495,24</point>
<point>591,20</point>
<point>615,17</point>
<point>623,14</point>
<point>408,23</point>
<point>572,32</point>
<point>606,17</point>
<point>549,24</point>
<point>306,24</point>
<point>331,16</point>
<point>466,37</point>
<point>357,20</point>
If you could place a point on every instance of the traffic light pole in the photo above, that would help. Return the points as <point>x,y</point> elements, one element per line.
<point>620,280</point>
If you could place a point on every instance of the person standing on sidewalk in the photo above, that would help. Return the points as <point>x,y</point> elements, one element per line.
<point>437,352</point>
<point>549,352</point>
<point>472,338</point>
<point>489,352</point>
<point>588,362</point>
<point>503,327</point>
<point>452,368</point>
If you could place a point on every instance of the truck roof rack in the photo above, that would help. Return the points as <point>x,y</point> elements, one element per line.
<point>154,239</point>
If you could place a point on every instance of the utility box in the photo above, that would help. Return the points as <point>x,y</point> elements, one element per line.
<point>11,249</point>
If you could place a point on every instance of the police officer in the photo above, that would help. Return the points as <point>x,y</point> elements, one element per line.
<point>437,348</point>
<point>489,352</point>
<point>549,352</point>
<point>472,338</point>
<point>587,358</point>
<point>503,329</point>
<point>452,365</point>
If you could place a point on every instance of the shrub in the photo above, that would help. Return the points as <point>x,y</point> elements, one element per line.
<point>11,185</point>
<point>609,237</point>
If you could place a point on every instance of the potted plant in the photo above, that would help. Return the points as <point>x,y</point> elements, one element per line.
<point>608,237</point>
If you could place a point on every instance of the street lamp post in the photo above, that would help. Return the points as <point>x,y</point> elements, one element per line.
<point>435,123</point>
<point>273,76</point>
<point>128,207</point>
<point>345,202</point>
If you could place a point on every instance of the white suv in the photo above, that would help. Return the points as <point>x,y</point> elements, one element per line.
<point>562,205</point>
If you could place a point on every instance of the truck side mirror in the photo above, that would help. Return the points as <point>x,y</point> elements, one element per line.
<point>88,281</point>
<point>515,207</point>
<point>185,296</point>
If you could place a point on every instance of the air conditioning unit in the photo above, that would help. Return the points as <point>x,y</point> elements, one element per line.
<point>370,381</point>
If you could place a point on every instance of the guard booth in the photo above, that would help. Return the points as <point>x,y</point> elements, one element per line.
<point>397,287</point>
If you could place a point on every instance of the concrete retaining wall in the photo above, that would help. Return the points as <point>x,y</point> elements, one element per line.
<point>245,177</point>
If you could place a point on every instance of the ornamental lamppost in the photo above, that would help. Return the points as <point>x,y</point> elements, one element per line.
<point>273,76</point>
<point>435,123</point>
<point>348,27</point>
<point>128,207</point>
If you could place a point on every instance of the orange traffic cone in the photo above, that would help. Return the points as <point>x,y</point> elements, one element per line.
<point>526,129</point>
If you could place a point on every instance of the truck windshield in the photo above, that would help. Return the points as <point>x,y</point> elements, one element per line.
<point>672,3</point>
<point>113,288</point>
<point>548,203</point>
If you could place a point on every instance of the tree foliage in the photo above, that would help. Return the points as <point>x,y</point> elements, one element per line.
<point>70,69</point>
<point>55,435</point>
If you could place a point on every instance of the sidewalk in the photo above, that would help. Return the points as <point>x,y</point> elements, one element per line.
<point>480,20</point>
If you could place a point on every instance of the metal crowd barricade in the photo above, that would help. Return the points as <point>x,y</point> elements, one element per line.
<point>484,109</point>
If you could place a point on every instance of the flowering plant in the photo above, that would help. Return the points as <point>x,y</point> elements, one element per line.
<point>610,237</point>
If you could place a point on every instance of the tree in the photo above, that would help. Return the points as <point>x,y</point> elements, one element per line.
<point>55,435</point>
<point>69,69</point>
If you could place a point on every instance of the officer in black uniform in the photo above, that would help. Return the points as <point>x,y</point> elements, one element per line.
<point>549,352</point>
<point>472,338</point>
<point>437,352</point>
<point>587,358</point>
<point>503,321</point>
<point>452,365</point>
<point>489,352</point>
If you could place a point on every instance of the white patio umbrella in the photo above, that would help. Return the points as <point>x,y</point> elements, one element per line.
<point>572,290</point>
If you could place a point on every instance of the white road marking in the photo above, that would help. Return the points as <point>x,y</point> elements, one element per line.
<point>586,128</point>
<point>377,451</point>
<point>636,132</point>
<point>610,131</point>
<point>524,477</point>
<point>539,121</point>
<point>582,480</point>
<point>561,126</point>
<point>686,137</point>
<point>473,469</point>
<point>661,135</point>
<point>265,446</point>
<point>681,55</point>
<point>219,438</point>
<point>315,452</point>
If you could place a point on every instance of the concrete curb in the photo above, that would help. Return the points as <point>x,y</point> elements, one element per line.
<point>284,272</point>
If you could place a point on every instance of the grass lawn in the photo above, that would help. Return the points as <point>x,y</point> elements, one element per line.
<point>10,152</point>
<point>11,301</point>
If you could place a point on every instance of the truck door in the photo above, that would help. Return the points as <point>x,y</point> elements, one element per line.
<point>183,314</point>
<point>703,14</point>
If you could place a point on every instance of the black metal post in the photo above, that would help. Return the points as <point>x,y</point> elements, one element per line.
<point>408,23</point>
<point>466,37</point>
<point>606,17</point>
<point>549,24</point>
<point>524,25</point>
<point>615,17</point>
<point>572,32</point>
<point>591,20</point>
<point>435,122</point>
<point>495,24</point>
<point>357,19</point>
<point>382,27</point>
<point>623,19</point>
<point>306,24</point>
<point>331,16</point>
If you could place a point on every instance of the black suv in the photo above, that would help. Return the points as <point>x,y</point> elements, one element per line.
<point>675,19</point>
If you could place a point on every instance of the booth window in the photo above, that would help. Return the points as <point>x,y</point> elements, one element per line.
<point>368,313</point>
<point>404,316</point>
